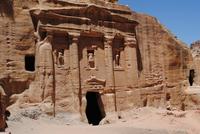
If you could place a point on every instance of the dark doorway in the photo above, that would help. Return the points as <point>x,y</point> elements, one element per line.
<point>94,110</point>
<point>30,63</point>
<point>168,97</point>
<point>191,77</point>
<point>145,102</point>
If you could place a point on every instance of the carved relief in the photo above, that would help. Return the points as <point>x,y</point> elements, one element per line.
<point>55,57</point>
<point>95,83</point>
<point>58,58</point>
<point>118,47</point>
<point>117,59</point>
<point>46,67</point>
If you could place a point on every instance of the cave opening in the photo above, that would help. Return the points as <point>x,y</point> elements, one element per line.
<point>30,62</point>
<point>191,77</point>
<point>95,109</point>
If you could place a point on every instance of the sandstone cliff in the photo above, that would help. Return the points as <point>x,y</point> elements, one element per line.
<point>16,41</point>
<point>162,60</point>
<point>165,59</point>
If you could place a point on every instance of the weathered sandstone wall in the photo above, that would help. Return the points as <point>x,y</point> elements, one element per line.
<point>162,62</point>
<point>16,41</point>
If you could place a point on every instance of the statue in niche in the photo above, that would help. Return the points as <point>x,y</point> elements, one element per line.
<point>117,59</point>
<point>90,57</point>
<point>55,57</point>
<point>58,58</point>
<point>91,60</point>
<point>60,61</point>
<point>45,64</point>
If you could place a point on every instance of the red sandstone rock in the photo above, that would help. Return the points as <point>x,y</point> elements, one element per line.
<point>129,59</point>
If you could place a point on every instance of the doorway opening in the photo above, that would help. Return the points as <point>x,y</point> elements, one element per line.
<point>145,102</point>
<point>95,109</point>
<point>191,77</point>
<point>168,97</point>
<point>30,62</point>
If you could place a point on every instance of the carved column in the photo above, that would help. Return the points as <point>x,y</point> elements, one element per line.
<point>131,61</point>
<point>36,50</point>
<point>66,58</point>
<point>74,69</point>
<point>109,62</point>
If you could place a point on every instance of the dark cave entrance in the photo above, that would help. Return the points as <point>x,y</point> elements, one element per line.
<point>95,109</point>
<point>30,62</point>
<point>191,77</point>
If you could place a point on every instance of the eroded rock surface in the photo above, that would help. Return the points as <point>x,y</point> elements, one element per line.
<point>128,59</point>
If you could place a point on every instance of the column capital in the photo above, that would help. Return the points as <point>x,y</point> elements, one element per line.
<point>74,37</point>
<point>130,41</point>
<point>75,34</point>
<point>108,39</point>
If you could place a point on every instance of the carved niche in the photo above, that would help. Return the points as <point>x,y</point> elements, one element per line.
<point>91,56</point>
<point>118,48</point>
<point>60,46</point>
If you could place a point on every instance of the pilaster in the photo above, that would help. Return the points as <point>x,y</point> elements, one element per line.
<point>74,69</point>
<point>131,61</point>
<point>109,62</point>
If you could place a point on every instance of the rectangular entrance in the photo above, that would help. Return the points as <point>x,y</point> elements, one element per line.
<point>95,109</point>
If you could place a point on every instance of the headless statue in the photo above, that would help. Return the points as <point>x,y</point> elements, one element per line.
<point>117,60</point>
<point>60,59</point>
<point>91,60</point>
<point>91,57</point>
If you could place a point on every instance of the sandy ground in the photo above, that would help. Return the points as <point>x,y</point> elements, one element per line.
<point>137,121</point>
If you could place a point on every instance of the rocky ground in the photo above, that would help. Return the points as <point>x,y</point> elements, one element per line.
<point>137,121</point>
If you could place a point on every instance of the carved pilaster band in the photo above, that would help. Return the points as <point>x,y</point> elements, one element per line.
<point>130,41</point>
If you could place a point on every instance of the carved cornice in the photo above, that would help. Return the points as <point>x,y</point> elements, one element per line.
<point>74,37</point>
<point>91,15</point>
<point>95,81</point>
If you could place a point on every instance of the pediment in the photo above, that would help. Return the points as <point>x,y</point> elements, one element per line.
<point>95,81</point>
<point>94,13</point>
<point>85,15</point>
